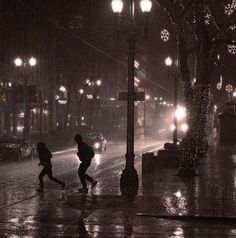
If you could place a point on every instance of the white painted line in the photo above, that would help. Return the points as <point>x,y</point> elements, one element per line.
<point>64,151</point>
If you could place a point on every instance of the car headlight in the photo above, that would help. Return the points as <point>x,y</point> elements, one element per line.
<point>184,127</point>
<point>172,127</point>
<point>11,146</point>
<point>96,145</point>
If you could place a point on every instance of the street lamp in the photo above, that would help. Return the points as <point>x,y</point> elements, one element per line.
<point>98,82</point>
<point>168,62</point>
<point>62,88</point>
<point>31,62</point>
<point>129,176</point>
<point>96,85</point>
<point>117,6</point>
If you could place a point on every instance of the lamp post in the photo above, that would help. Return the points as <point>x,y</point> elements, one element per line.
<point>31,62</point>
<point>96,85</point>
<point>129,177</point>
<point>168,62</point>
<point>234,97</point>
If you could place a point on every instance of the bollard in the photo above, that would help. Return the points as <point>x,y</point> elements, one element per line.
<point>148,162</point>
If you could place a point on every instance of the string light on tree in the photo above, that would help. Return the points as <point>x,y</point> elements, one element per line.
<point>195,143</point>
<point>232,49</point>
<point>215,108</point>
<point>234,3</point>
<point>208,17</point>
<point>165,35</point>
<point>229,90</point>
<point>219,84</point>
<point>230,8</point>
<point>233,27</point>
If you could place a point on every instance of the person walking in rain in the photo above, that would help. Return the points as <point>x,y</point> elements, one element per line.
<point>45,160</point>
<point>85,154</point>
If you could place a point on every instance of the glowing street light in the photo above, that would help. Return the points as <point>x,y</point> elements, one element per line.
<point>117,6</point>
<point>98,82</point>
<point>129,177</point>
<point>146,6</point>
<point>18,62</point>
<point>24,63</point>
<point>62,88</point>
<point>168,61</point>
<point>32,61</point>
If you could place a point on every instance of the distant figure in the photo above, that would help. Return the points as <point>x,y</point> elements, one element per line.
<point>85,154</point>
<point>45,160</point>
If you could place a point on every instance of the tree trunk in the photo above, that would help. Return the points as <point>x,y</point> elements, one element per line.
<point>195,143</point>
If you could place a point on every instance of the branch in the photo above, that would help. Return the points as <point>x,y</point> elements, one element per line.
<point>225,41</point>
<point>191,51</point>
<point>185,10</point>
<point>224,29</point>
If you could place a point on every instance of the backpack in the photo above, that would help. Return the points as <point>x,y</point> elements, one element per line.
<point>90,152</point>
<point>86,153</point>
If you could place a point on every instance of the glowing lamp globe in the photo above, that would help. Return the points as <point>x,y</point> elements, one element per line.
<point>18,62</point>
<point>168,61</point>
<point>32,61</point>
<point>117,6</point>
<point>146,5</point>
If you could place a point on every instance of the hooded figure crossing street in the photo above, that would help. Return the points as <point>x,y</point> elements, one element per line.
<point>85,154</point>
<point>45,160</point>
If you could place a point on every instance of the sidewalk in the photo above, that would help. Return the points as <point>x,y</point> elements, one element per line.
<point>167,205</point>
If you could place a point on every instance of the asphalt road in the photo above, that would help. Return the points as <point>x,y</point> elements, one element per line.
<point>19,180</point>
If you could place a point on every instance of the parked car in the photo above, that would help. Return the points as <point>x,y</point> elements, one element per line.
<point>16,147</point>
<point>97,141</point>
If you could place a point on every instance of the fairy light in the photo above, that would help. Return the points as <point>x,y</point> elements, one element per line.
<point>229,88</point>
<point>197,95</point>
<point>207,17</point>
<point>230,8</point>
<point>233,27</point>
<point>232,49</point>
<point>165,35</point>
<point>195,143</point>
<point>219,84</point>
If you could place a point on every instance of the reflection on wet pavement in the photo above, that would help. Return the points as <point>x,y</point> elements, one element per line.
<point>166,206</point>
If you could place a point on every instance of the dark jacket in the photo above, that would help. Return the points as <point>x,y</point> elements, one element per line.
<point>44,156</point>
<point>85,152</point>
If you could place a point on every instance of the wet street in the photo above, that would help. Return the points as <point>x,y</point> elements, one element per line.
<point>22,209</point>
<point>166,206</point>
<point>20,179</point>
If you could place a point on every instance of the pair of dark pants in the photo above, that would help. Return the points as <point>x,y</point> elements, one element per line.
<point>82,173</point>
<point>47,169</point>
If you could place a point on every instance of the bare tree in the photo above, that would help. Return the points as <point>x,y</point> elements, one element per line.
<point>201,28</point>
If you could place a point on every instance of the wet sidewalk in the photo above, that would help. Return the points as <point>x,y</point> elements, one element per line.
<point>166,206</point>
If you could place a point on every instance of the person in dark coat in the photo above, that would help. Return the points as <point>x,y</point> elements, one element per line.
<point>85,154</point>
<point>45,160</point>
